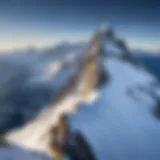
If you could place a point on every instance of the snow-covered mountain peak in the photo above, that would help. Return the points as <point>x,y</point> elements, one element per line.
<point>121,124</point>
<point>109,43</point>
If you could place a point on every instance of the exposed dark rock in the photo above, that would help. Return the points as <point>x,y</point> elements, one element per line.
<point>77,147</point>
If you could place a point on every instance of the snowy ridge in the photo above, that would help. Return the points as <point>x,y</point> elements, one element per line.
<point>121,125</point>
<point>113,46</point>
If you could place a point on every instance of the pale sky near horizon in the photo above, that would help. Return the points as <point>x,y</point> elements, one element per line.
<point>43,23</point>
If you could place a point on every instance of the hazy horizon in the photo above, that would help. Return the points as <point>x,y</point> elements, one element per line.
<point>45,23</point>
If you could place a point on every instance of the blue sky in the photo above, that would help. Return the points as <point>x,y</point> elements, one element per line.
<point>46,22</point>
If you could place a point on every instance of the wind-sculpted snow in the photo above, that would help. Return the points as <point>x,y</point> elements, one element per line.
<point>119,126</point>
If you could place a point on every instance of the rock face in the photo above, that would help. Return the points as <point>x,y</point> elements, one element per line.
<point>91,69</point>
<point>77,147</point>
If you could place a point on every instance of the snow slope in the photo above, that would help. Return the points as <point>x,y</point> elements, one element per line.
<point>121,124</point>
<point>15,153</point>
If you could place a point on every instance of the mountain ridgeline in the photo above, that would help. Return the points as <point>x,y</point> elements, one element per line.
<point>113,95</point>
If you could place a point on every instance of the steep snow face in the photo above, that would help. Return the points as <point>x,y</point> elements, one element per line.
<point>135,81</point>
<point>121,124</point>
